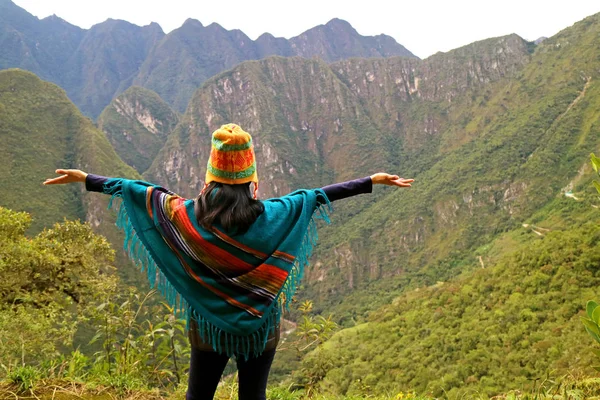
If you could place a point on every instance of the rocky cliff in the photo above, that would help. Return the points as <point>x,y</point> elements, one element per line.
<point>137,124</point>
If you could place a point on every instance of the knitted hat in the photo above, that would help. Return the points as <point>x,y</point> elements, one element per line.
<point>232,159</point>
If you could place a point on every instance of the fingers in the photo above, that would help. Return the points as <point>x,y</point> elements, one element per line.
<point>54,181</point>
<point>65,173</point>
<point>400,182</point>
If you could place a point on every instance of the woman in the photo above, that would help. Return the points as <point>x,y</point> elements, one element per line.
<point>225,260</point>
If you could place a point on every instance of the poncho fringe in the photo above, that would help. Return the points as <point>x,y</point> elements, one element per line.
<point>221,341</point>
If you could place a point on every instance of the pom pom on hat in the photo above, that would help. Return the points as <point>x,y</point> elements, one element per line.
<point>232,160</point>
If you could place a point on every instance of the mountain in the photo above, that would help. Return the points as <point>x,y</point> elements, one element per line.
<point>293,107</point>
<point>40,131</point>
<point>338,40</point>
<point>106,62</point>
<point>513,320</point>
<point>483,268</point>
<point>180,64</point>
<point>97,64</point>
<point>188,56</point>
<point>309,117</point>
<point>137,124</point>
<point>471,281</point>
<point>40,46</point>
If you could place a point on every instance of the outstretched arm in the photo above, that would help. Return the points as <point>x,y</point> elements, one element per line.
<point>355,187</point>
<point>93,183</point>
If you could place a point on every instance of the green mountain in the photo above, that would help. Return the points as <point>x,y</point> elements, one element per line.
<point>40,131</point>
<point>293,107</point>
<point>511,212</point>
<point>137,124</point>
<point>473,280</point>
<point>97,64</point>
<point>310,118</point>
<point>513,320</point>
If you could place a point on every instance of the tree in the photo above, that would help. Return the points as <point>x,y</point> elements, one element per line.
<point>49,282</point>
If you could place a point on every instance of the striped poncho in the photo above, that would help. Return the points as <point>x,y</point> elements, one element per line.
<point>234,286</point>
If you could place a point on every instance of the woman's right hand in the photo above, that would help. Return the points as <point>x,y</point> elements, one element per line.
<point>391,180</point>
<point>68,176</point>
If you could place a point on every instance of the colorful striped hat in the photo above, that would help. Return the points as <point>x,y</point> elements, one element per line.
<point>232,159</point>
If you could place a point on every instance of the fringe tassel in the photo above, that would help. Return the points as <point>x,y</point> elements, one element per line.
<point>232,345</point>
<point>309,241</point>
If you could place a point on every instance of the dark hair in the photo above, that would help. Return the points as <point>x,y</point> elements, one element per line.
<point>231,206</point>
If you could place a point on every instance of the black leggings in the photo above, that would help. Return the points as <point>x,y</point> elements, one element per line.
<point>206,368</point>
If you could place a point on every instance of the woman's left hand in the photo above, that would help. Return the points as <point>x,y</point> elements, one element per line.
<point>68,176</point>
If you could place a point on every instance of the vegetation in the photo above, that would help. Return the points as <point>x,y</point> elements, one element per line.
<point>59,284</point>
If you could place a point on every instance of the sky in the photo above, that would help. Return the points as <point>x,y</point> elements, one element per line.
<point>422,26</point>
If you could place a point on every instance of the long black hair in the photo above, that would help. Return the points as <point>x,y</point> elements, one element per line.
<point>232,206</point>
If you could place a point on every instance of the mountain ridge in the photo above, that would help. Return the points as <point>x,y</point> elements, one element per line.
<point>95,65</point>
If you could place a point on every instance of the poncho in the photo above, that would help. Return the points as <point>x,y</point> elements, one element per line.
<point>234,286</point>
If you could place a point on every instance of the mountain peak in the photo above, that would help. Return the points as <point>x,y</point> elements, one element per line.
<point>191,22</point>
<point>339,23</point>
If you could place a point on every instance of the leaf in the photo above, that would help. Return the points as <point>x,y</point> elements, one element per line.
<point>590,307</point>
<point>596,315</point>
<point>596,352</point>
<point>591,325</point>
<point>597,186</point>
<point>596,368</point>
<point>95,338</point>
<point>595,162</point>
<point>593,335</point>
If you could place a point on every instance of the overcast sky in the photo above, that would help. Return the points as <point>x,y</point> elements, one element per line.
<point>422,26</point>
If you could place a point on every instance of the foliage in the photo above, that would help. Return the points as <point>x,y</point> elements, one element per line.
<point>490,330</point>
<point>298,339</point>
<point>592,325</point>
<point>596,166</point>
<point>41,131</point>
<point>24,377</point>
<point>59,282</point>
<point>133,345</point>
<point>48,282</point>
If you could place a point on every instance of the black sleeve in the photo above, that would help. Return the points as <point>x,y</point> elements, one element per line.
<point>342,190</point>
<point>95,183</point>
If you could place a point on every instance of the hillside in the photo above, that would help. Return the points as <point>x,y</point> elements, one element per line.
<point>506,152</point>
<point>137,124</point>
<point>41,130</point>
<point>512,320</point>
<point>486,266</point>
<point>40,46</point>
<point>97,64</point>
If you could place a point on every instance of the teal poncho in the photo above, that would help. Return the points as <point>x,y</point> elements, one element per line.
<point>233,285</point>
